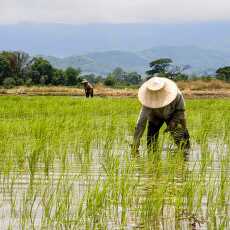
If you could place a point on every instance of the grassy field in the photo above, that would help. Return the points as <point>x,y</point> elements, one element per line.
<point>66,164</point>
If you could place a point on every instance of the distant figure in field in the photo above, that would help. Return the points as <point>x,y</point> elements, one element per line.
<point>88,88</point>
<point>161,102</point>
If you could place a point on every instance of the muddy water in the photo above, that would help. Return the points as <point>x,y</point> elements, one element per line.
<point>21,195</point>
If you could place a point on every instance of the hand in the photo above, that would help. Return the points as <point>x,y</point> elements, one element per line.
<point>171,126</point>
<point>134,150</point>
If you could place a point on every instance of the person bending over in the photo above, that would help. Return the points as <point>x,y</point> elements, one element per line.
<point>161,102</point>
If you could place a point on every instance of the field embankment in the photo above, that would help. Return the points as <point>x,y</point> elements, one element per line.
<point>190,89</point>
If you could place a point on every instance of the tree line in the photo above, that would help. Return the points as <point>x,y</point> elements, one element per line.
<point>18,68</point>
<point>167,68</point>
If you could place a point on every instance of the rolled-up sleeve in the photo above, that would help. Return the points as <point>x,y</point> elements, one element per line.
<point>180,105</point>
<point>140,127</point>
<point>179,113</point>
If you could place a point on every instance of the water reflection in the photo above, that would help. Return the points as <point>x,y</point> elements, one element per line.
<point>164,190</point>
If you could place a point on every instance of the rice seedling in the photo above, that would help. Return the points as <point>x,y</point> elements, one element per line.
<point>66,163</point>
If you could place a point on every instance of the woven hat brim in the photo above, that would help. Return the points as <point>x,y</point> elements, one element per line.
<point>160,98</point>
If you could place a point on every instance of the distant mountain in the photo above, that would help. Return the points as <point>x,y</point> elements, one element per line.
<point>102,62</point>
<point>99,48</point>
<point>202,61</point>
<point>65,40</point>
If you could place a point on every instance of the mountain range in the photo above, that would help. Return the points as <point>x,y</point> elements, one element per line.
<point>201,61</point>
<point>99,48</point>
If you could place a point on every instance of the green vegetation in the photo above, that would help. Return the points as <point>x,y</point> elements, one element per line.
<point>18,68</point>
<point>121,78</point>
<point>166,68</point>
<point>66,164</point>
<point>159,66</point>
<point>224,73</point>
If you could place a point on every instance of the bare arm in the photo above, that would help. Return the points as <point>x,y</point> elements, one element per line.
<point>178,117</point>
<point>140,128</point>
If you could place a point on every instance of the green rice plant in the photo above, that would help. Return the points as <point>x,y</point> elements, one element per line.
<point>66,164</point>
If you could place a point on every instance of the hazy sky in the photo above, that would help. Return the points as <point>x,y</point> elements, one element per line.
<point>112,11</point>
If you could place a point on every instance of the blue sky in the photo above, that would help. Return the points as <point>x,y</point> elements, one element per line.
<point>112,11</point>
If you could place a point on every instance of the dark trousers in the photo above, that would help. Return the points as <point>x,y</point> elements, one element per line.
<point>179,134</point>
<point>89,93</point>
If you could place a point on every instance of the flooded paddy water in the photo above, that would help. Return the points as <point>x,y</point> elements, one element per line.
<point>65,163</point>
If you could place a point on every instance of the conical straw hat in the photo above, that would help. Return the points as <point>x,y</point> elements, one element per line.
<point>157,92</point>
<point>84,81</point>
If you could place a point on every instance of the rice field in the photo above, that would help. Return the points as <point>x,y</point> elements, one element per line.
<point>66,163</point>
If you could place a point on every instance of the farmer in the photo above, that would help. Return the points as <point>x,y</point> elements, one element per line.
<point>161,102</point>
<point>88,88</point>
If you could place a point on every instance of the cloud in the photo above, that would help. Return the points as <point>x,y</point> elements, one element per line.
<point>113,11</point>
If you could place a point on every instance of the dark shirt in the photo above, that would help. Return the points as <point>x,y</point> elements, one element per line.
<point>173,110</point>
<point>88,86</point>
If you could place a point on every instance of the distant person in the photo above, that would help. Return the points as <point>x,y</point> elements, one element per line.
<point>161,102</point>
<point>88,88</point>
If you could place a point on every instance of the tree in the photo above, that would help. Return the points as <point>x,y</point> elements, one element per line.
<point>176,72</point>
<point>118,74</point>
<point>5,70</point>
<point>159,66</point>
<point>180,76</point>
<point>122,78</point>
<point>223,73</point>
<point>44,68</point>
<point>18,62</point>
<point>72,76</point>
<point>90,77</point>
<point>132,78</point>
<point>22,63</point>
<point>9,82</point>
<point>109,81</point>
<point>58,77</point>
<point>11,57</point>
<point>35,76</point>
<point>43,79</point>
<point>99,79</point>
